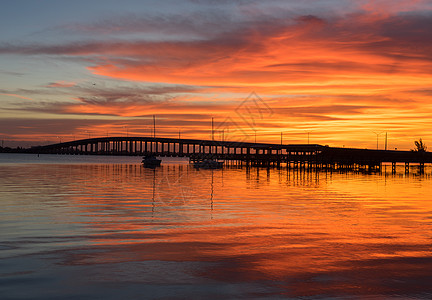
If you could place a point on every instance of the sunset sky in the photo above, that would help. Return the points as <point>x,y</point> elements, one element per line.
<point>341,71</point>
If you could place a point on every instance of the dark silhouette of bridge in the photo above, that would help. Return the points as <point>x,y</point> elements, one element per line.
<point>297,155</point>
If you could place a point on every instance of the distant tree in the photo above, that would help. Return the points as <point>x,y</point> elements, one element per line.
<point>420,146</point>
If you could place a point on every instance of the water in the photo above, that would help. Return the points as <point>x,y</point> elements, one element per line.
<point>75,227</point>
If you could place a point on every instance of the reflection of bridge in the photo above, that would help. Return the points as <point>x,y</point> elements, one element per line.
<point>254,153</point>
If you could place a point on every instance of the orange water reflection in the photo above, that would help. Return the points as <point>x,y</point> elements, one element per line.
<point>296,233</point>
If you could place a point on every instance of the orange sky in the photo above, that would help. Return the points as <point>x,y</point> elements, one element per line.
<point>339,70</point>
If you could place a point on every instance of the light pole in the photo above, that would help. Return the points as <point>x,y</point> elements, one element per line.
<point>377,135</point>
<point>386,142</point>
<point>154,126</point>
<point>255,135</point>
<point>281,137</point>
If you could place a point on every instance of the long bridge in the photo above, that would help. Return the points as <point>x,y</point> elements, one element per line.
<point>239,152</point>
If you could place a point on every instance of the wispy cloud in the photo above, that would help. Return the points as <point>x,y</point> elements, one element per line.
<point>16,96</point>
<point>61,84</point>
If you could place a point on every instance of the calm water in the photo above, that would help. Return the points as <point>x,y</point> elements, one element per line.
<point>107,228</point>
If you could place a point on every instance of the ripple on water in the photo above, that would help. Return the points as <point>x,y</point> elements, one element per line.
<point>73,230</point>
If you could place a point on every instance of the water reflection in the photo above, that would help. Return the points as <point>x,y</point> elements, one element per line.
<point>121,230</point>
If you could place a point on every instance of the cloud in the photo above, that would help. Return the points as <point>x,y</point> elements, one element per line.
<point>11,73</point>
<point>391,7</point>
<point>16,96</point>
<point>191,25</point>
<point>301,49</point>
<point>61,84</point>
<point>361,67</point>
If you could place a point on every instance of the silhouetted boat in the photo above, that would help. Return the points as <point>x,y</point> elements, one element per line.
<point>208,164</point>
<point>151,161</point>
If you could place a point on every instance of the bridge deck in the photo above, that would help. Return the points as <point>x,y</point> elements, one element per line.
<point>233,150</point>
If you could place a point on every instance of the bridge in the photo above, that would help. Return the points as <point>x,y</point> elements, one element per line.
<point>297,155</point>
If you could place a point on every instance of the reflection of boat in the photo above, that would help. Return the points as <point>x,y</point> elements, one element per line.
<point>151,161</point>
<point>208,164</point>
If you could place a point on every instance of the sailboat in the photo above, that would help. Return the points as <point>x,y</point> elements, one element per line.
<point>150,161</point>
<point>208,164</point>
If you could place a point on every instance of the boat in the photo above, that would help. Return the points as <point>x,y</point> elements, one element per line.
<point>208,164</point>
<point>151,161</point>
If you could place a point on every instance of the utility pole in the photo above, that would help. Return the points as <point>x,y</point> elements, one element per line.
<point>386,142</point>
<point>212,133</point>
<point>179,133</point>
<point>281,137</point>
<point>308,132</point>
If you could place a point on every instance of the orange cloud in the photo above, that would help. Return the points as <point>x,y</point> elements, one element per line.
<point>16,96</point>
<point>342,76</point>
<point>61,84</point>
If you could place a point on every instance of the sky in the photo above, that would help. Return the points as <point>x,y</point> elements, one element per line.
<point>330,72</point>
